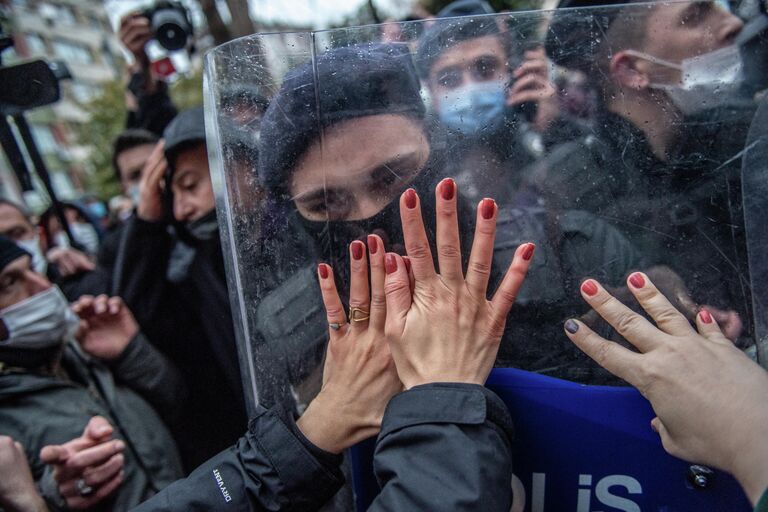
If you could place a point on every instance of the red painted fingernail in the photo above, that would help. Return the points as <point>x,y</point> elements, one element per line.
<point>410,199</point>
<point>487,208</point>
<point>390,263</point>
<point>323,270</point>
<point>357,249</point>
<point>528,252</point>
<point>589,287</point>
<point>637,280</point>
<point>407,264</point>
<point>705,316</point>
<point>373,244</point>
<point>447,188</point>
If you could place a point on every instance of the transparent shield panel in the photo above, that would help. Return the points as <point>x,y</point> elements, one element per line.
<point>613,138</point>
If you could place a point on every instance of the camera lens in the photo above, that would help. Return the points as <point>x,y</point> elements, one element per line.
<point>171,29</point>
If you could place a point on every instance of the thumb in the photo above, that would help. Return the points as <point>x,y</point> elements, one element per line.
<point>397,288</point>
<point>53,454</point>
<point>98,428</point>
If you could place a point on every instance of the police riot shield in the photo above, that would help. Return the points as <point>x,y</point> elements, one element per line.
<point>612,137</point>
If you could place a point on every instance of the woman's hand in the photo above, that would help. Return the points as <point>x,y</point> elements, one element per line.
<point>359,376</point>
<point>708,396</point>
<point>441,327</point>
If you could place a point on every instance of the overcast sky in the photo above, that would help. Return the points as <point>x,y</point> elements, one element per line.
<point>317,14</point>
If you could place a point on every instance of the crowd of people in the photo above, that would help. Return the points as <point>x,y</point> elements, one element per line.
<point>324,277</point>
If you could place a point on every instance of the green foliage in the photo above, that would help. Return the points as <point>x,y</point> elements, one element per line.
<point>187,91</point>
<point>107,120</point>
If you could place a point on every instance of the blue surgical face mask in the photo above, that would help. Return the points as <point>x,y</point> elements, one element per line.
<point>474,107</point>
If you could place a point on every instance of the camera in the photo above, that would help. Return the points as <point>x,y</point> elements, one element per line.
<point>170,23</point>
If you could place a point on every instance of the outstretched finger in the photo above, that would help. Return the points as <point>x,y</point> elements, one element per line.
<point>708,327</point>
<point>98,429</point>
<point>613,357</point>
<point>416,242</point>
<point>448,244</point>
<point>95,456</point>
<point>669,319</point>
<point>376,252</point>
<point>397,288</point>
<point>334,309</point>
<point>633,327</point>
<point>359,292</point>
<point>481,257</point>
<point>506,294</point>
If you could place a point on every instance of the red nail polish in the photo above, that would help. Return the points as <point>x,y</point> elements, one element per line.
<point>407,262</point>
<point>528,252</point>
<point>373,244</point>
<point>589,287</point>
<point>705,316</point>
<point>637,280</point>
<point>447,189</point>
<point>410,199</point>
<point>390,263</point>
<point>323,270</point>
<point>487,208</point>
<point>357,250</point>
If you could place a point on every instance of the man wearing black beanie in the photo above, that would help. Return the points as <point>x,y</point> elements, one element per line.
<point>87,412</point>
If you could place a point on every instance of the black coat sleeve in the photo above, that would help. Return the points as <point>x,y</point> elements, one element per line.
<point>271,468</point>
<point>155,110</point>
<point>149,373</point>
<point>444,447</point>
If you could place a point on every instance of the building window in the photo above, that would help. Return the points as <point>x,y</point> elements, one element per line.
<point>72,52</point>
<point>35,43</point>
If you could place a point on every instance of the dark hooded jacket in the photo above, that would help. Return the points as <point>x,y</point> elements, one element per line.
<point>39,407</point>
<point>442,447</point>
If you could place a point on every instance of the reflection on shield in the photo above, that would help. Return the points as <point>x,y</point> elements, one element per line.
<point>605,138</point>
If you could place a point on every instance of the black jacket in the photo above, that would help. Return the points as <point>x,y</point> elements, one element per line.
<point>442,447</point>
<point>683,212</point>
<point>179,297</point>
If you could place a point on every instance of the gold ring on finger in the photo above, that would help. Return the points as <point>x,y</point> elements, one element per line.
<point>358,315</point>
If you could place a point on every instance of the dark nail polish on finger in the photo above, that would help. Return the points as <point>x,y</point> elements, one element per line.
<point>571,326</point>
<point>410,199</point>
<point>528,252</point>
<point>390,263</point>
<point>357,250</point>
<point>589,287</point>
<point>323,270</point>
<point>487,208</point>
<point>637,280</point>
<point>447,189</point>
<point>373,244</point>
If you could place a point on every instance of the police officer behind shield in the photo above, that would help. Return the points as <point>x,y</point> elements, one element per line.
<point>662,164</point>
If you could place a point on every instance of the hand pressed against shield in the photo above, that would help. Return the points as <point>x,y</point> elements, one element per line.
<point>708,396</point>
<point>442,327</point>
<point>359,376</point>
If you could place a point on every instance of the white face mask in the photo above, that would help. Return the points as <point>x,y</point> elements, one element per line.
<point>84,233</point>
<point>32,246</point>
<point>707,81</point>
<point>41,321</point>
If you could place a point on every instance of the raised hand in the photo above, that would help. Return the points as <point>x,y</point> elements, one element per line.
<point>88,468</point>
<point>106,326</point>
<point>708,396</point>
<point>17,488</point>
<point>150,207</point>
<point>359,376</point>
<point>442,327</point>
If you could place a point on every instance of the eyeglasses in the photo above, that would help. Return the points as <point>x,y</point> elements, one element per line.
<point>482,69</point>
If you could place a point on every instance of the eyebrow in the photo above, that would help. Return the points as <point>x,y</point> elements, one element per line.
<point>319,193</point>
